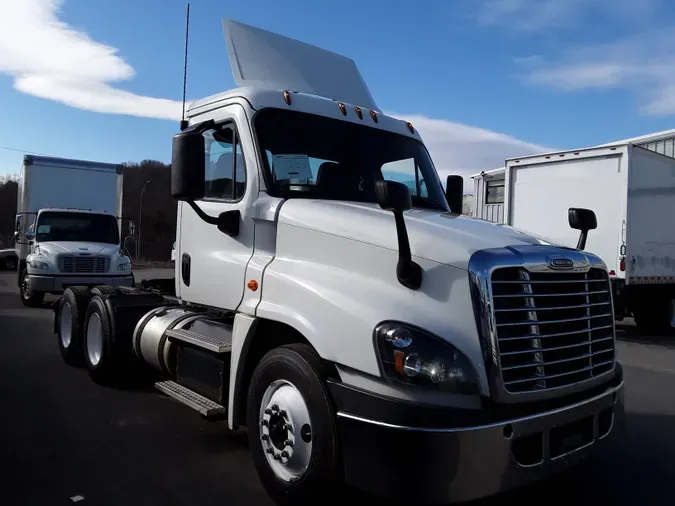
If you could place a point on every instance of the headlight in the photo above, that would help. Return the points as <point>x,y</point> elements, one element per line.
<point>124,267</point>
<point>411,356</point>
<point>39,265</point>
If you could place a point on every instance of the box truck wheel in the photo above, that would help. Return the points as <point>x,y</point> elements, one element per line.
<point>30,298</point>
<point>654,318</point>
<point>71,313</point>
<point>291,427</point>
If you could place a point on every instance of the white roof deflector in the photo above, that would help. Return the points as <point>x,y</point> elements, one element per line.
<point>263,59</point>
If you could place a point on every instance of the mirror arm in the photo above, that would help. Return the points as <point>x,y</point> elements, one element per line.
<point>582,240</point>
<point>408,272</point>
<point>200,128</point>
<point>211,220</point>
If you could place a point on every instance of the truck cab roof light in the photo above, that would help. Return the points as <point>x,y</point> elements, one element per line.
<point>287,97</point>
<point>373,115</point>
<point>343,109</point>
<point>410,127</point>
<point>359,113</point>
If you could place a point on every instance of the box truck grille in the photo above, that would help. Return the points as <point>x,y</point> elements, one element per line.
<point>84,264</point>
<point>552,329</point>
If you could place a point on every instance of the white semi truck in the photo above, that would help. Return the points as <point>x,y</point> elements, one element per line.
<point>68,227</point>
<point>361,329</point>
<point>632,191</point>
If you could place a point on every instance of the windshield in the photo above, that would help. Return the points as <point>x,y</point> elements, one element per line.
<point>84,227</point>
<point>317,157</point>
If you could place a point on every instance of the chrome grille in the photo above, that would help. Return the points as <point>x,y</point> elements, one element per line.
<point>552,329</point>
<point>84,264</point>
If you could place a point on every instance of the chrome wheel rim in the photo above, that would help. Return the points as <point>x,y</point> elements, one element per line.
<point>25,291</point>
<point>94,339</point>
<point>66,325</point>
<point>285,430</point>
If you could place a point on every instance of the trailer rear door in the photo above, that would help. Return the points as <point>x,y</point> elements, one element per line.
<point>539,195</point>
<point>650,228</point>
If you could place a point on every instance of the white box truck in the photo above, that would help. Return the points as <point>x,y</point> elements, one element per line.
<point>362,329</point>
<point>632,191</point>
<point>68,227</point>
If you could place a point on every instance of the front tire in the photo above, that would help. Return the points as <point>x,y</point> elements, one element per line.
<point>72,311</point>
<point>291,427</point>
<point>30,298</point>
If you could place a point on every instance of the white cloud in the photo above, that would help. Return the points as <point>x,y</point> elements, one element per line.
<point>52,60</point>
<point>537,15</point>
<point>466,150</point>
<point>643,64</point>
<point>49,59</point>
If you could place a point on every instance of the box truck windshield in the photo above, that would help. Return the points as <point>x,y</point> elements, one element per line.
<point>80,227</point>
<point>320,157</point>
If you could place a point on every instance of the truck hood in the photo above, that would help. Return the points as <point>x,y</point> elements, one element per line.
<point>442,237</point>
<point>77,248</point>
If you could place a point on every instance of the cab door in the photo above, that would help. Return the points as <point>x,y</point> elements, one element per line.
<point>211,264</point>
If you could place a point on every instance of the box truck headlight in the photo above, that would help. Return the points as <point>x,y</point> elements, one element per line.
<point>411,356</point>
<point>36,264</point>
<point>126,266</point>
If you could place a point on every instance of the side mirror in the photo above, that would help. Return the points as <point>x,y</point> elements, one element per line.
<point>30,236</point>
<point>583,220</point>
<point>188,166</point>
<point>395,197</point>
<point>454,193</point>
<point>125,244</point>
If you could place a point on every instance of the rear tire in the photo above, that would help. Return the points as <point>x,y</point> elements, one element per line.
<point>103,290</point>
<point>97,343</point>
<point>70,322</point>
<point>30,298</point>
<point>306,469</point>
<point>8,264</point>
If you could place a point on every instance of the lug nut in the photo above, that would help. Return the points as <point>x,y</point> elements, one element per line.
<point>288,442</point>
<point>269,450</point>
<point>264,423</point>
<point>277,456</point>
<point>282,413</point>
<point>265,437</point>
<point>288,427</point>
<point>275,408</point>
<point>268,411</point>
<point>284,454</point>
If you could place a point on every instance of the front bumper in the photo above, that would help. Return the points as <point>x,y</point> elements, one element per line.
<point>424,463</point>
<point>57,284</point>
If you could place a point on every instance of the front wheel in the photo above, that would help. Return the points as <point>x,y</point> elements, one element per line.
<point>291,427</point>
<point>29,297</point>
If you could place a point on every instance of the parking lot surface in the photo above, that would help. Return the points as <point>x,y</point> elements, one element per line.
<point>65,438</point>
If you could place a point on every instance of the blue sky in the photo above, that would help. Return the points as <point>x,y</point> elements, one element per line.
<point>481,79</point>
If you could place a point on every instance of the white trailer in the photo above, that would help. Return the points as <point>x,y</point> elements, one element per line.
<point>353,323</point>
<point>68,226</point>
<point>632,191</point>
<point>488,195</point>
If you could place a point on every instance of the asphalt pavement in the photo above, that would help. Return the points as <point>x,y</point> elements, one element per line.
<point>65,440</point>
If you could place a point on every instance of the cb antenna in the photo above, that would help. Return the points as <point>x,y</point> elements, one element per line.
<point>183,123</point>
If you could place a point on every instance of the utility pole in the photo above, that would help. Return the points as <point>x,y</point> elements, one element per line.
<point>140,221</point>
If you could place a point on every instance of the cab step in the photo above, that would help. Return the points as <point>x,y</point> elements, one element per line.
<point>206,407</point>
<point>209,343</point>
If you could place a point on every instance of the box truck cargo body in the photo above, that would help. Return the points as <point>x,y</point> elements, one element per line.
<point>632,191</point>
<point>68,224</point>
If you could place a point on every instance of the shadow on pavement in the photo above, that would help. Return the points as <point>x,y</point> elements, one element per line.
<point>627,331</point>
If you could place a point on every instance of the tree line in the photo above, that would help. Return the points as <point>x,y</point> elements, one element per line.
<point>157,224</point>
